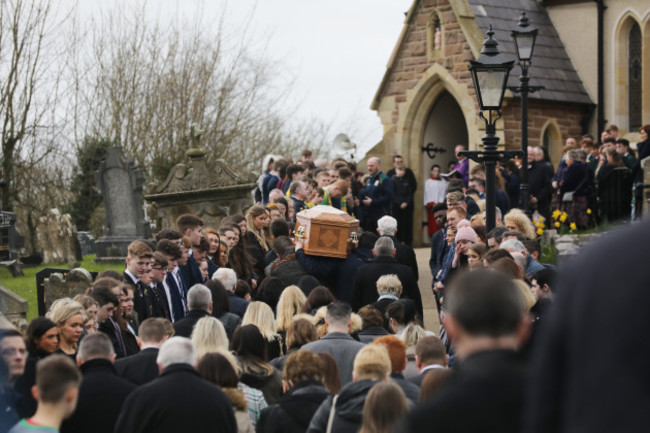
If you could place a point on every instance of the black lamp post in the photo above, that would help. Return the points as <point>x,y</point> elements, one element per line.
<point>490,75</point>
<point>524,37</point>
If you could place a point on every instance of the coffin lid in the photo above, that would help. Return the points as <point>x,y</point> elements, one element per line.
<point>324,213</point>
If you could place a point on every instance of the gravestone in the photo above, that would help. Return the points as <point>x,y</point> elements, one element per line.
<point>208,189</point>
<point>57,238</point>
<point>61,283</point>
<point>645,166</point>
<point>10,243</point>
<point>13,308</point>
<point>120,182</point>
<point>86,243</point>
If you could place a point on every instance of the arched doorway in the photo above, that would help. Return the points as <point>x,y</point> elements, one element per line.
<point>444,129</point>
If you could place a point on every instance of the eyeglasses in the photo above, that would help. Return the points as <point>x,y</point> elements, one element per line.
<point>160,269</point>
<point>12,350</point>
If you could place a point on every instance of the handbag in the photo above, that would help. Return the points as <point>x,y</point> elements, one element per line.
<point>330,419</point>
<point>568,196</point>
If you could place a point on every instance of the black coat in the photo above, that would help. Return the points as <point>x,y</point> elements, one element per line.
<point>439,249</point>
<point>294,410</point>
<point>365,282</point>
<point>178,401</point>
<point>406,256</point>
<point>347,269</point>
<point>236,304</point>
<point>369,334</point>
<point>101,396</point>
<point>349,409</point>
<point>411,390</point>
<point>484,393</point>
<point>589,374</point>
<point>184,327</point>
<point>190,272</point>
<point>140,368</point>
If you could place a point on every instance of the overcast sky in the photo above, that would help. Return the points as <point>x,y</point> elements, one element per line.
<point>337,50</point>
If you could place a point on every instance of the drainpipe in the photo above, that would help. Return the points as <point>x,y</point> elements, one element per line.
<point>601,68</point>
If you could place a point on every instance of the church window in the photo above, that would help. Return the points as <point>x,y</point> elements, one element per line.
<point>635,77</point>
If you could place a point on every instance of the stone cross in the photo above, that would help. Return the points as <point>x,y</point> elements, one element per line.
<point>194,134</point>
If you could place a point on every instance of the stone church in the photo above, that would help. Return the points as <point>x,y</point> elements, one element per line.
<point>590,56</point>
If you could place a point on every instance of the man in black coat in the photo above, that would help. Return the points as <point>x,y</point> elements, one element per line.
<point>384,263</point>
<point>228,278</point>
<point>199,301</point>
<point>141,368</point>
<point>430,354</point>
<point>387,226</point>
<point>102,392</point>
<point>540,185</point>
<point>486,389</point>
<point>179,400</point>
<point>575,384</point>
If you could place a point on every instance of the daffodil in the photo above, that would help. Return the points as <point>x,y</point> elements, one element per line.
<point>588,211</point>
<point>556,213</point>
<point>540,232</point>
<point>557,224</point>
<point>563,217</point>
<point>573,226</point>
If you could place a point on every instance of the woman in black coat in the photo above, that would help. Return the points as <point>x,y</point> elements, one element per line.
<point>577,181</point>
<point>294,411</point>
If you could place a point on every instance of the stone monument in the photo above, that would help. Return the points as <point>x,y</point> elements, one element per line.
<point>645,166</point>
<point>10,243</point>
<point>57,238</point>
<point>13,308</point>
<point>120,182</point>
<point>66,285</point>
<point>206,188</point>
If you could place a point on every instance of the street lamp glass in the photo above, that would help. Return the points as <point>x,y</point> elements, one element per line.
<point>491,83</point>
<point>524,43</point>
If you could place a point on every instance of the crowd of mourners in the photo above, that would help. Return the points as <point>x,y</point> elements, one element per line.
<point>235,328</point>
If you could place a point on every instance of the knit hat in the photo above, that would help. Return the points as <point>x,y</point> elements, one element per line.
<point>465,232</point>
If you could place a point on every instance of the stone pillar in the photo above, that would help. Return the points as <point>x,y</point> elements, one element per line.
<point>120,182</point>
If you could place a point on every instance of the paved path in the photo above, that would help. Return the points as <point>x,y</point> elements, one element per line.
<point>431,321</point>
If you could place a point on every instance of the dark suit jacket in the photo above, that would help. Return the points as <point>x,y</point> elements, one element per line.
<point>237,305</point>
<point>101,396</point>
<point>191,273</point>
<point>178,401</point>
<point>439,249</point>
<point>406,256</point>
<point>184,327</point>
<point>365,282</point>
<point>140,368</point>
<point>484,393</point>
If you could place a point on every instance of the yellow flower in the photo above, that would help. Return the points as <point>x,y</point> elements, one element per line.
<point>573,226</point>
<point>563,217</point>
<point>557,224</point>
<point>540,232</point>
<point>557,213</point>
<point>588,211</point>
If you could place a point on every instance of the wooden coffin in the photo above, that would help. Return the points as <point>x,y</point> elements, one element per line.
<point>327,231</point>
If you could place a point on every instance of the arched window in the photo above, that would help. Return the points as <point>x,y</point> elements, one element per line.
<point>552,141</point>
<point>635,76</point>
<point>435,36</point>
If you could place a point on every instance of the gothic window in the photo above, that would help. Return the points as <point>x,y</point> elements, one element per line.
<point>634,77</point>
<point>434,36</point>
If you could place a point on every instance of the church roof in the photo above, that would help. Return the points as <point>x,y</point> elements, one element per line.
<point>551,66</point>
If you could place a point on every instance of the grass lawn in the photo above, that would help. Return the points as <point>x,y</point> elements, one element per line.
<point>25,286</point>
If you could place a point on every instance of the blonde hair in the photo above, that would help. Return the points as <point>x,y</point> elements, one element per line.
<point>372,362</point>
<point>262,235</point>
<point>412,334</point>
<point>523,223</point>
<point>260,315</point>
<point>290,303</point>
<point>63,309</point>
<point>356,323</point>
<point>319,321</point>
<point>389,284</point>
<point>209,335</point>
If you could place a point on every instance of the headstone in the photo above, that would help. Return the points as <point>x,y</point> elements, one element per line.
<point>120,182</point>
<point>10,240</point>
<point>645,166</point>
<point>57,237</point>
<point>86,242</point>
<point>209,189</point>
<point>13,308</point>
<point>61,283</point>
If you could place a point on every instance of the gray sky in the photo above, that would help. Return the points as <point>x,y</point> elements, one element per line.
<point>337,50</point>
